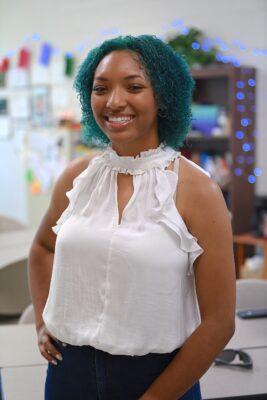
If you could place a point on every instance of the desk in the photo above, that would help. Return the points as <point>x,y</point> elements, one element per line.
<point>18,346</point>
<point>249,333</point>
<point>18,349</point>
<point>220,381</point>
<point>23,383</point>
<point>21,365</point>
<point>223,382</point>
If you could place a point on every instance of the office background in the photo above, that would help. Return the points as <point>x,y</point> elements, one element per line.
<point>75,27</point>
<point>34,147</point>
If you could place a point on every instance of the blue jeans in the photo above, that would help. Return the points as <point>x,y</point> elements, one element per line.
<point>90,374</point>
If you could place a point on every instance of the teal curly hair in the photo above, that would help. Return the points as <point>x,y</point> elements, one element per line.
<point>170,79</point>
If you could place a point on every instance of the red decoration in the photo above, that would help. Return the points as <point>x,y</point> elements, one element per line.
<point>4,65</point>
<point>24,58</point>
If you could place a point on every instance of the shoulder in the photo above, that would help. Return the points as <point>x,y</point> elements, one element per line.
<point>195,183</point>
<point>207,219</point>
<point>199,199</point>
<point>64,183</point>
<point>75,168</point>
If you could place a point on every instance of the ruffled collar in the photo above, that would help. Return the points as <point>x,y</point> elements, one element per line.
<point>160,157</point>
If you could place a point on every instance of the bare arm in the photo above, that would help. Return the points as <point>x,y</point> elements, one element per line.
<point>42,252</point>
<point>202,206</point>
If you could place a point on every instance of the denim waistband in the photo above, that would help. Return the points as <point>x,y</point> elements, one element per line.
<point>89,373</point>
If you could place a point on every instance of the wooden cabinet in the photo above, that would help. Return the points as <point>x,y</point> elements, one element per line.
<point>233,89</point>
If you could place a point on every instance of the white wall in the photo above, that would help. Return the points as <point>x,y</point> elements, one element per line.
<point>12,187</point>
<point>66,23</point>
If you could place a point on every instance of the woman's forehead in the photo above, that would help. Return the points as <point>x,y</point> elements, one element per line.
<point>121,61</point>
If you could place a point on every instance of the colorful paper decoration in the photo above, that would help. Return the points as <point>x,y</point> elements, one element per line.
<point>45,54</point>
<point>35,187</point>
<point>4,65</point>
<point>29,176</point>
<point>24,58</point>
<point>2,79</point>
<point>69,64</point>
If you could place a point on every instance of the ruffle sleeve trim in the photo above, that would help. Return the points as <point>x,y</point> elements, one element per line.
<point>72,195</point>
<point>167,214</point>
<point>187,242</point>
<point>65,215</point>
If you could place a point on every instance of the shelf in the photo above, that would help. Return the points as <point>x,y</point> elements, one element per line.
<point>219,85</point>
<point>207,144</point>
<point>217,72</point>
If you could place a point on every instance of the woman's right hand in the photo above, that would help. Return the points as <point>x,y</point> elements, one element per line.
<point>46,347</point>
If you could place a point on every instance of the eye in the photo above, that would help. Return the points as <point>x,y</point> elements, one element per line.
<point>99,89</point>
<point>135,87</point>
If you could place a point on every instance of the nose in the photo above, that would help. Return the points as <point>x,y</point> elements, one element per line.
<point>116,99</point>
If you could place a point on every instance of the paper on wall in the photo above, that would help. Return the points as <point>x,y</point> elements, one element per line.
<point>20,140</point>
<point>56,72</point>
<point>40,106</point>
<point>4,127</point>
<point>60,97</point>
<point>39,75</point>
<point>44,161</point>
<point>3,106</point>
<point>19,106</point>
<point>17,78</point>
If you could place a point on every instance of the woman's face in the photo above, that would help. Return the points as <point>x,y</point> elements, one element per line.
<point>123,102</point>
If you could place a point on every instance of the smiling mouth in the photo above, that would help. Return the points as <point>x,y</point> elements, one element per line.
<point>119,121</point>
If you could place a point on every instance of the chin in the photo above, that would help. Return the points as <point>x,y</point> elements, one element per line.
<point>121,137</point>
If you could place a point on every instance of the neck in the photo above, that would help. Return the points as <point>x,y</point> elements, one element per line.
<point>134,149</point>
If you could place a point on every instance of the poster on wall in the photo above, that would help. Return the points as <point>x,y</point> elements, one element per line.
<point>20,127</point>
<point>44,160</point>
<point>60,97</point>
<point>56,71</point>
<point>39,75</point>
<point>4,127</point>
<point>40,106</point>
<point>4,119</point>
<point>3,106</point>
<point>17,78</point>
<point>19,106</point>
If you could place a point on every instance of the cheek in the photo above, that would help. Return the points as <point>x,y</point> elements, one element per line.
<point>96,107</point>
<point>93,103</point>
<point>150,107</point>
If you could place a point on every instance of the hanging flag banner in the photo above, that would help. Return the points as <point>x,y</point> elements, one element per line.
<point>69,64</point>
<point>24,58</point>
<point>4,65</point>
<point>45,54</point>
<point>2,79</point>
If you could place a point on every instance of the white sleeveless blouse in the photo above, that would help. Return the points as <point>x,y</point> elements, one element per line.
<point>124,288</point>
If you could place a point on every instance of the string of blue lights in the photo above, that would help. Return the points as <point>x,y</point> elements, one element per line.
<point>225,56</point>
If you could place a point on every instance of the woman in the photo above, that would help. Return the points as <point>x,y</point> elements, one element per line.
<point>135,298</point>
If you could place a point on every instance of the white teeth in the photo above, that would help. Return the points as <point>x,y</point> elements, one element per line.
<point>119,119</point>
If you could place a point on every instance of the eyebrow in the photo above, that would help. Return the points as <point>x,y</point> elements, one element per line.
<point>102,78</point>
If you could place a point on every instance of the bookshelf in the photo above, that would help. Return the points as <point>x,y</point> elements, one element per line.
<point>232,88</point>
